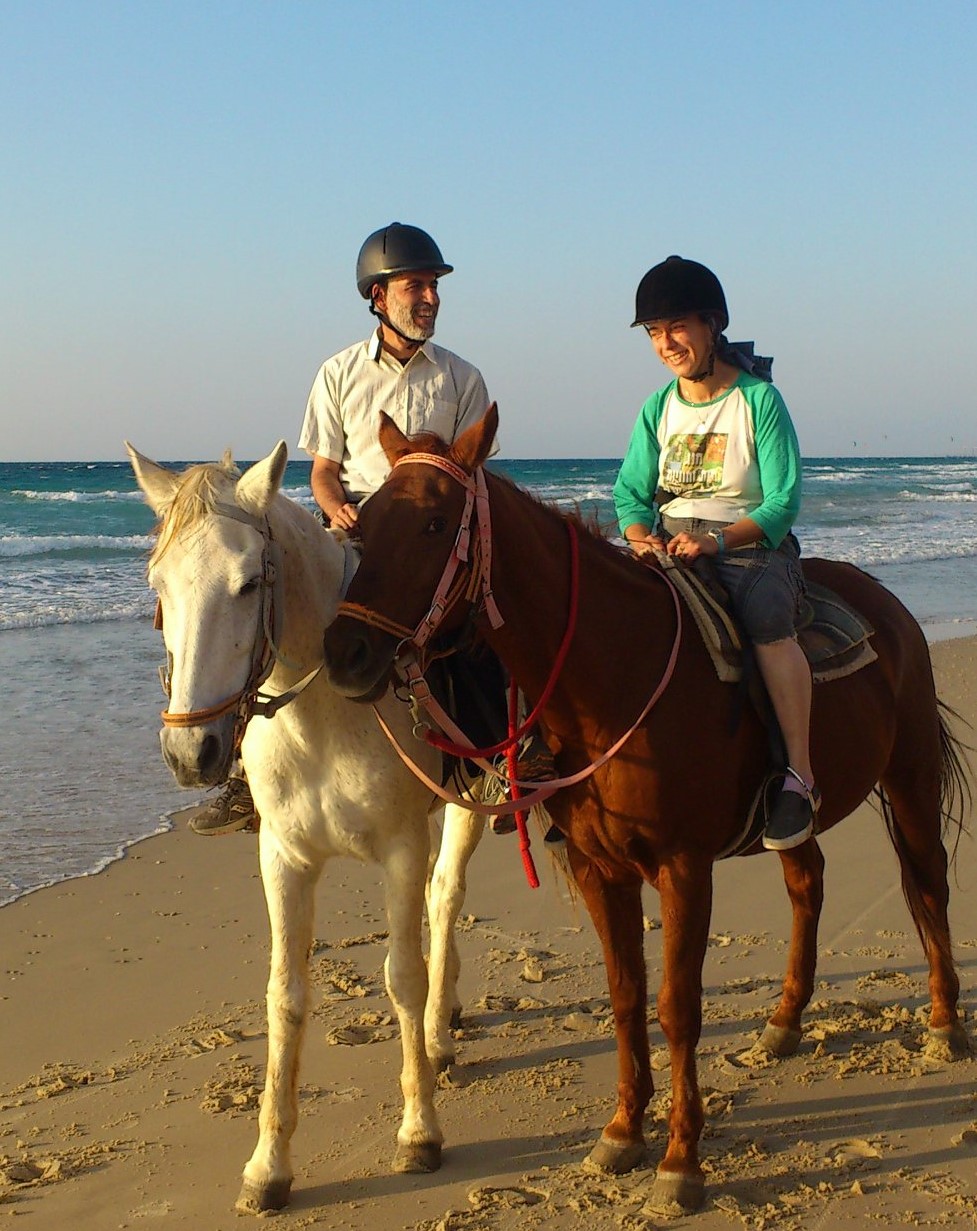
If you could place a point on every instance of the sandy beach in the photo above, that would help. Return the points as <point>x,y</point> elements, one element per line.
<point>134,1039</point>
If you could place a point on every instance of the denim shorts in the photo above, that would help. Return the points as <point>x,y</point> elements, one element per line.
<point>765,587</point>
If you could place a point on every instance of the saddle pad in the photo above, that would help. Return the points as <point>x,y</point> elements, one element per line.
<point>833,636</point>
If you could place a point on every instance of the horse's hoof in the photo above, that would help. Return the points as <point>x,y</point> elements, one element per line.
<point>617,1157</point>
<point>948,1043</point>
<point>418,1159</point>
<point>257,1198</point>
<point>454,1022</point>
<point>779,1040</point>
<point>674,1192</point>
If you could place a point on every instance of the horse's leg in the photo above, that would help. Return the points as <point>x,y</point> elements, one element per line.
<point>615,909</point>
<point>290,899</point>
<point>804,876</point>
<point>419,1136</point>
<point>685,887</point>
<point>461,833</point>
<point>916,832</point>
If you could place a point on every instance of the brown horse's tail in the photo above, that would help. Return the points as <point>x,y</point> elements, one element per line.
<point>956,800</point>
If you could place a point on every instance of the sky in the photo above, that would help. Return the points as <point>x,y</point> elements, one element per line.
<point>184,187</point>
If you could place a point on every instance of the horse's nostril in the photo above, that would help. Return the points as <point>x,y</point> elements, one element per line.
<point>358,657</point>
<point>168,756</point>
<point>211,750</point>
<point>347,651</point>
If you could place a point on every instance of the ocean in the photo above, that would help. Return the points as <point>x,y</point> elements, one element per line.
<point>82,775</point>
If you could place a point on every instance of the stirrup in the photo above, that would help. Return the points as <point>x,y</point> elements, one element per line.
<point>535,764</point>
<point>812,792</point>
<point>791,819</point>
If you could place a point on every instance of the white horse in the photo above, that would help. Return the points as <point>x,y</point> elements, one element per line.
<point>247,581</point>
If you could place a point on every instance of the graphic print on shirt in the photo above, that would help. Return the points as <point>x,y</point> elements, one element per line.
<point>692,463</point>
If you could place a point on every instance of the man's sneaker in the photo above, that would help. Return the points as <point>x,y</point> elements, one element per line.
<point>232,810</point>
<point>791,820</point>
<point>535,764</point>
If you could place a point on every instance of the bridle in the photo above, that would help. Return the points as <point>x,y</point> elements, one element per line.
<point>467,576</point>
<point>408,655</point>
<point>452,586</point>
<point>249,700</point>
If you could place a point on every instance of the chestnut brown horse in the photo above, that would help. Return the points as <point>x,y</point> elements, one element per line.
<point>675,796</point>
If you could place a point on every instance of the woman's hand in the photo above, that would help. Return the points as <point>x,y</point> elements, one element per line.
<point>647,544</point>
<point>688,547</point>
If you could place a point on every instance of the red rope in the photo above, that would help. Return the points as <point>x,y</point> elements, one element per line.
<point>515,791</point>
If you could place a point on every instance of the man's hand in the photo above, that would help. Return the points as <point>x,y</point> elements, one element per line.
<point>345,517</point>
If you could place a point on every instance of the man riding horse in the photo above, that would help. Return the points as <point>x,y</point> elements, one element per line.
<point>424,388</point>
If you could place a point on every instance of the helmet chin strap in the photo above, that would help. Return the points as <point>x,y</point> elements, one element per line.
<point>390,325</point>
<point>708,370</point>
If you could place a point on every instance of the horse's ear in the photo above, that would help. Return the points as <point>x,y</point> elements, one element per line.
<point>392,440</point>
<point>259,485</point>
<point>474,445</point>
<point>158,484</point>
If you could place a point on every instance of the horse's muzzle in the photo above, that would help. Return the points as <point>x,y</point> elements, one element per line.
<point>199,756</point>
<point>358,659</point>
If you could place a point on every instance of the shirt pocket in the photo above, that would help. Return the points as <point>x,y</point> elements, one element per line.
<point>431,414</point>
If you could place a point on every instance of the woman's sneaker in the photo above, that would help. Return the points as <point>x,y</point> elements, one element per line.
<point>791,819</point>
<point>230,812</point>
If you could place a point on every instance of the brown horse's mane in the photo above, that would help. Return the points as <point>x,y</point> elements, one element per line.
<point>590,526</point>
<point>430,442</point>
<point>201,488</point>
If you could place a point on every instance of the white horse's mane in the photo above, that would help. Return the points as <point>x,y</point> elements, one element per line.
<point>200,489</point>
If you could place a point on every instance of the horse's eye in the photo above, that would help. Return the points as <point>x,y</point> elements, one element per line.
<point>249,587</point>
<point>436,525</point>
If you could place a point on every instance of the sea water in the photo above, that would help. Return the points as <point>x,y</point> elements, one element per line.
<point>79,756</point>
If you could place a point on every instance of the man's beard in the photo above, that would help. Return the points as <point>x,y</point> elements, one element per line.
<point>402,320</point>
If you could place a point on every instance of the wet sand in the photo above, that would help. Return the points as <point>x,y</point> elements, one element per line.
<point>134,1039</point>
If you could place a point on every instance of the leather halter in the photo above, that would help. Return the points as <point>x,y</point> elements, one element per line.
<point>249,700</point>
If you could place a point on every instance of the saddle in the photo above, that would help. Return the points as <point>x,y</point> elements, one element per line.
<point>833,635</point>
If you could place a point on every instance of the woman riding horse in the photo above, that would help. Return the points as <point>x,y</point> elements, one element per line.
<point>713,469</point>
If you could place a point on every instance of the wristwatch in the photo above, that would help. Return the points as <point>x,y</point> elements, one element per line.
<point>720,538</point>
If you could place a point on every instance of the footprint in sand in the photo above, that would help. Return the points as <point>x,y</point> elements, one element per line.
<point>368,1028</point>
<point>489,1198</point>
<point>233,1088</point>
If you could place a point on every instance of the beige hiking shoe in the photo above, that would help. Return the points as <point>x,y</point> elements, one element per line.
<point>231,811</point>
<point>535,764</point>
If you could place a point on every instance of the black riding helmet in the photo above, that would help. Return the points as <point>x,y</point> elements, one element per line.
<point>678,287</point>
<point>397,249</point>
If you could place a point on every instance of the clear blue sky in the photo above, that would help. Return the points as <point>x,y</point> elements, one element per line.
<point>184,187</point>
